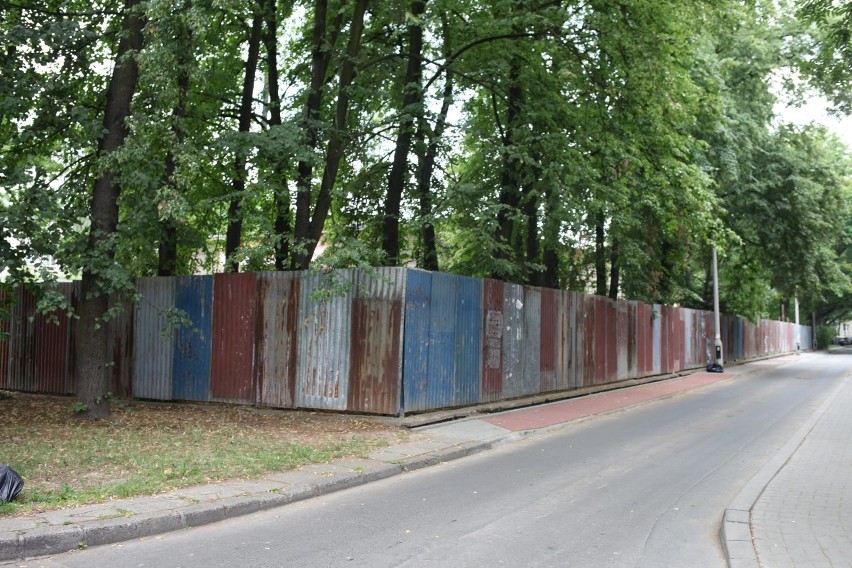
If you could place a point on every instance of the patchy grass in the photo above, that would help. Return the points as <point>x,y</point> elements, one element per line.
<point>146,447</point>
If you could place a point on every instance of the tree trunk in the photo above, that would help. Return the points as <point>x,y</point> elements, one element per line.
<point>412,102</point>
<point>167,253</point>
<point>322,46</point>
<point>427,153</point>
<point>234,234</point>
<point>600,256</point>
<point>308,236</point>
<point>614,270</point>
<point>281,202</point>
<point>92,369</point>
<point>510,177</point>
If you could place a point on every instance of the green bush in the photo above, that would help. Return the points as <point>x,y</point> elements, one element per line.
<point>824,336</point>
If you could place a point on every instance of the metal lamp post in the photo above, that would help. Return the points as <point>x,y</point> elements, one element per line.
<point>798,337</point>
<point>718,331</point>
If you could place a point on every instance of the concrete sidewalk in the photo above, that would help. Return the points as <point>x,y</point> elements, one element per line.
<point>55,532</point>
<point>797,511</point>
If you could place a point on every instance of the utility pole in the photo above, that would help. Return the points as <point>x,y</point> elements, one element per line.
<point>718,330</point>
<point>798,337</point>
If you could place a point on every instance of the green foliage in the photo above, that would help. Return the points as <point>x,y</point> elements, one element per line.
<point>573,143</point>
<point>829,62</point>
<point>824,336</point>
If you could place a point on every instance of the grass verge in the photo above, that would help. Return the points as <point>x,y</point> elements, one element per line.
<point>147,448</point>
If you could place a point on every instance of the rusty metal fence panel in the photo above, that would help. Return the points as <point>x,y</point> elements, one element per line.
<point>277,341</point>
<point>492,344</point>
<point>550,332</point>
<point>153,339</point>
<point>233,334</point>
<point>375,365</point>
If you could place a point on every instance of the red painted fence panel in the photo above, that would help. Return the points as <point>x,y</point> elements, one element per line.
<point>234,324</point>
<point>492,346</point>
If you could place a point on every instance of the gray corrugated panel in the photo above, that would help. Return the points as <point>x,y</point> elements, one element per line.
<point>278,307</point>
<point>689,335</point>
<point>658,339</point>
<point>375,364</point>
<point>513,340</point>
<point>325,323</point>
<point>153,343</point>
<point>622,320</point>
<point>532,344</point>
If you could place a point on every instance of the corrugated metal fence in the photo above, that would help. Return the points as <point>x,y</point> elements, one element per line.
<point>385,341</point>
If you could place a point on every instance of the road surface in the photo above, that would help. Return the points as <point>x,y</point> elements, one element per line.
<point>642,487</point>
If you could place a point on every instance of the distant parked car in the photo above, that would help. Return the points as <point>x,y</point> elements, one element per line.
<point>842,340</point>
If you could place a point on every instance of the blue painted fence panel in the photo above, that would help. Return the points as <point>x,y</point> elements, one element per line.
<point>192,350</point>
<point>442,338</point>
<point>416,347</point>
<point>468,341</point>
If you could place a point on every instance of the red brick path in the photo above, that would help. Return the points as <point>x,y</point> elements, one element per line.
<point>565,411</point>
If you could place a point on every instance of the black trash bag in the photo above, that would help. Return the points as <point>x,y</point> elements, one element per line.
<point>10,484</point>
<point>715,368</point>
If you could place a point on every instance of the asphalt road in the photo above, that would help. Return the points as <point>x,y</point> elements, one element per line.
<point>641,487</point>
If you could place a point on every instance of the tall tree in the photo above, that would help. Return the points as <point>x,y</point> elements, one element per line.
<point>311,213</point>
<point>411,108</point>
<point>234,234</point>
<point>92,356</point>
